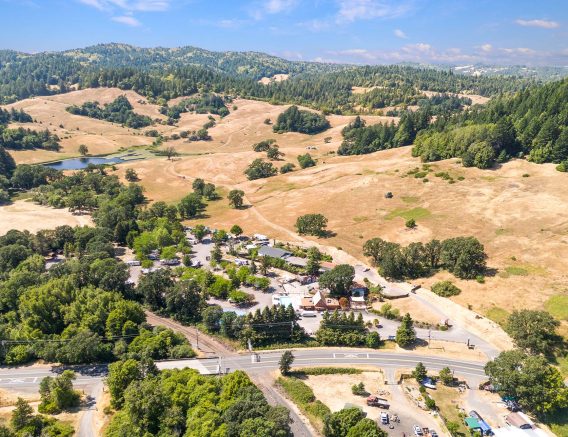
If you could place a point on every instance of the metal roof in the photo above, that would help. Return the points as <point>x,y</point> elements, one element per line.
<point>273,252</point>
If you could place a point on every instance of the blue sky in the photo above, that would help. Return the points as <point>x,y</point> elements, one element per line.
<point>359,31</point>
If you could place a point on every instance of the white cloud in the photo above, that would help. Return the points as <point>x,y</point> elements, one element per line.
<point>262,8</point>
<point>277,6</point>
<point>352,10</point>
<point>423,52</point>
<point>400,34</point>
<point>127,19</point>
<point>94,3</point>
<point>315,25</point>
<point>544,24</point>
<point>129,5</point>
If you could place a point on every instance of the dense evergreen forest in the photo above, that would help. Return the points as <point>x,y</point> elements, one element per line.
<point>118,111</point>
<point>169,73</point>
<point>531,123</point>
<point>359,139</point>
<point>296,120</point>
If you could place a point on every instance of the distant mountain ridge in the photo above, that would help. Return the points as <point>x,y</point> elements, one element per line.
<point>166,73</point>
<point>115,55</point>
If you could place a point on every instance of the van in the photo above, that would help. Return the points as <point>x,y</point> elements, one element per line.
<point>307,313</point>
<point>384,418</point>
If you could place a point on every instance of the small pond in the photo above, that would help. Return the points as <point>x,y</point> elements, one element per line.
<point>80,163</point>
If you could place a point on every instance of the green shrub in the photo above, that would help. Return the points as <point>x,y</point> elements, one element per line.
<point>299,392</point>
<point>20,354</point>
<point>445,289</point>
<point>318,409</point>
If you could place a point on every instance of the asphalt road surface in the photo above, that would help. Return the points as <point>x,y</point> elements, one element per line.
<point>89,378</point>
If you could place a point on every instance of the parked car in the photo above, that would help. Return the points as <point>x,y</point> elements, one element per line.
<point>133,262</point>
<point>384,418</point>
<point>309,313</point>
<point>433,433</point>
<point>418,431</point>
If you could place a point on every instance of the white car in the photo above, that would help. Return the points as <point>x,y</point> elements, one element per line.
<point>384,418</point>
<point>309,314</point>
<point>418,431</point>
<point>133,262</point>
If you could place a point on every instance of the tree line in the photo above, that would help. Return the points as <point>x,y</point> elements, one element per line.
<point>531,124</point>
<point>464,257</point>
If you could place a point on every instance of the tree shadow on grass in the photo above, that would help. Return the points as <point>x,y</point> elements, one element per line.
<point>327,234</point>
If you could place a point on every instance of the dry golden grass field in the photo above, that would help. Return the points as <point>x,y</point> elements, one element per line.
<point>518,211</point>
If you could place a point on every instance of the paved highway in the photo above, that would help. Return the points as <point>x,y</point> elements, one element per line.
<point>89,378</point>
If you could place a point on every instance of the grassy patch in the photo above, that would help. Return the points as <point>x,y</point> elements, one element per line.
<point>501,231</point>
<point>558,306</point>
<point>522,270</point>
<point>447,401</point>
<point>303,396</point>
<point>498,315</point>
<point>360,219</point>
<point>410,199</point>
<point>516,271</point>
<point>407,214</point>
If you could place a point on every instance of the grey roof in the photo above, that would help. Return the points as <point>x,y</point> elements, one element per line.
<point>297,261</point>
<point>273,252</point>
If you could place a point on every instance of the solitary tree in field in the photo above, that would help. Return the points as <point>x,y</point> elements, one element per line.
<point>170,152</point>
<point>286,361</point>
<point>274,153</point>
<point>131,175</point>
<point>83,150</point>
<point>236,198</point>
<point>311,224</point>
<point>410,223</point>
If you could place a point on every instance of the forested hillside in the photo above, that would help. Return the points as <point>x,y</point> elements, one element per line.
<point>170,73</point>
<point>532,123</point>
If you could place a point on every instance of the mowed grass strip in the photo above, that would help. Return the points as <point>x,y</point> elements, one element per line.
<point>407,214</point>
<point>558,306</point>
